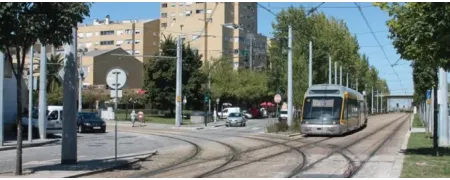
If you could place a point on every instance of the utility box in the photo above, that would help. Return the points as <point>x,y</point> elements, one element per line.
<point>198,117</point>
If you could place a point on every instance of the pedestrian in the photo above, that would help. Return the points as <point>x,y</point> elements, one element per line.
<point>141,117</point>
<point>133,117</point>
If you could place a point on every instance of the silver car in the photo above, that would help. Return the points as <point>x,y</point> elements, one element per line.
<point>235,119</point>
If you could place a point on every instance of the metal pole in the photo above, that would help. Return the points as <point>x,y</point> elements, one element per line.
<point>115,114</point>
<point>371,106</point>
<point>378,104</point>
<point>310,59</point>
<point>69,137</point>
<point>335,73</point>
<point>178,84</point>
<point>357,84</point>
<point>443,112</point>
<point>209,88</point>
<point>30,95</point>
<point>329,69</point>
<point>2,70</point>
<point>381,101</point>
<point>347,80</point>
<point>290,75</point>
<point>340,79</point>
<point>43,93</point>
<point>80,84</point>
<point>251,52</point>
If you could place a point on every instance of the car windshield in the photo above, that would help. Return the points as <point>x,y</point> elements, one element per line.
<point>235,115</point>
<point>88,115</point>
<point>322,107</point>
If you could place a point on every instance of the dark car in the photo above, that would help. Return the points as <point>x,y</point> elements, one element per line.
<point>90,122</point>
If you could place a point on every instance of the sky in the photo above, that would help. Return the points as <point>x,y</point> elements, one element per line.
<point>343,11</point>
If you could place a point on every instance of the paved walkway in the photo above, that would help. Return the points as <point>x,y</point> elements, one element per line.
<point>8,145</point>
<point>418,130</point>
<point>82,168</point>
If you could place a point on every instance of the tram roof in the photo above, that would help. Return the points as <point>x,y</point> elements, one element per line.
<point>327,90</point>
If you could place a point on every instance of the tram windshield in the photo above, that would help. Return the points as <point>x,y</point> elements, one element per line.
<point>322,108</point>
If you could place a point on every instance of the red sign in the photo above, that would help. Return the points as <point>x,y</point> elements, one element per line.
<point>277,98</point>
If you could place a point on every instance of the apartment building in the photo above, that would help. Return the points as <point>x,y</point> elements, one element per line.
<point>140,37</point>
<point>231,28</point>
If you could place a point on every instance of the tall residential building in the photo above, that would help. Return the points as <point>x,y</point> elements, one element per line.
<point>231,28</point>
<point>107,34</point>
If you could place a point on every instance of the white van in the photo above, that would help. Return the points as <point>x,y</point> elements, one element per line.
<point>226,111</point>
<point>54,120</point>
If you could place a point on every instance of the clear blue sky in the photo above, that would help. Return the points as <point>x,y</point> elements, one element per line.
<point>343,11</point>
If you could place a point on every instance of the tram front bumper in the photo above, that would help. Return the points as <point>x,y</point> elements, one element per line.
<point>317,129</point>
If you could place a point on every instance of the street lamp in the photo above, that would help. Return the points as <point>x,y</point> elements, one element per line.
<point>182,109</point>
<point>217,107</point>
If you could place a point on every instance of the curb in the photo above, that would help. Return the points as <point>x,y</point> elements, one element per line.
<point>5,148</point>
<point>113,167</point>
<point>188,128</point>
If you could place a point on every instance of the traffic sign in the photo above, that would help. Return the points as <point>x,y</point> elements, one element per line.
<point>178,99</point>
<point>277,98</point>
<point>111,80</point>
<point>428,94</point>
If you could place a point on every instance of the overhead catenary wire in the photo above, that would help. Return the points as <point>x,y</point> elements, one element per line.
<point>376,39</point>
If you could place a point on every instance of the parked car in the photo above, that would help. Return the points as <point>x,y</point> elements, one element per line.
<point>247,114</point>
<point>255,112</point>
<point>54,120</point>
<point>283,115</point>
<point>264,113</point>
<point>235,119</point>
<point>90,121</point>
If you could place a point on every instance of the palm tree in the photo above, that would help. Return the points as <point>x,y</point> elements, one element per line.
<point>54,63</point>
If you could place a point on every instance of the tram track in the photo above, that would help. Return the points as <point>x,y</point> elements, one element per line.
<point>356,141</point>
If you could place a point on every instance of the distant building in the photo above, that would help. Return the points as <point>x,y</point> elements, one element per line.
<point>108,34</point>
<point>97,64</point>
<point>187,19</point>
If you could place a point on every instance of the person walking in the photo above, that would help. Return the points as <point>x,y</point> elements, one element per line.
<point>133,117</point>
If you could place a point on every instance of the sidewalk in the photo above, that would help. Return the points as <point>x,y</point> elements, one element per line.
<point>8,145</point>
<point>82,168</point>
<point>111,123</point>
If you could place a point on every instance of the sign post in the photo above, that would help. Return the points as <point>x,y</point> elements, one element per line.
<point>116,79</point>
<point>277,100</point>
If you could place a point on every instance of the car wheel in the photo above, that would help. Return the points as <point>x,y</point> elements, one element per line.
<point>103,131</point>
<point>245,124</point>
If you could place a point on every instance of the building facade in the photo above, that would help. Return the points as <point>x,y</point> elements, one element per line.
<point>231,30</point>
<point>140,37</point>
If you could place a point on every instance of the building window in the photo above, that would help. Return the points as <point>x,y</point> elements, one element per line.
<point>163,15</point>
<point>181,14</point>
<point>181,4</point>
<point>137,41</point>
<point>199,11</point>
<point>198,2</point>
<point>128,41</point>
<point>128,31</point>
<point>130,52</point>
<point>173,4</point>
<point>119,33</point>
<point>209,11</point>
<point>80,35</point>
<point>188,3</point>
<point>97,33</point>
<point>96,43</point>
<point>137,52</point>
<point>164,25</point>
<point>236,51</point>
<point>106,43</point>
<point>188,13</point>
<point>88,45</point>
<point>164,5</point>
<point>88,35</point>
<point>118,43</point>
<point>195,37</point>
<point>137,31</point>
<point>103,33</point>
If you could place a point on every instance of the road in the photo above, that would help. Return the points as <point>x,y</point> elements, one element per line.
<point>242,152</point>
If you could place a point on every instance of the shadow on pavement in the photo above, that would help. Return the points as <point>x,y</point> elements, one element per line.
<point>428,151</point>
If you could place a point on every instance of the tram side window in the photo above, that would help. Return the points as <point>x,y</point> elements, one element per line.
<point>351,109</point>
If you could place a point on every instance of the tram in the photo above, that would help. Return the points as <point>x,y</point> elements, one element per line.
<point>330,109</point>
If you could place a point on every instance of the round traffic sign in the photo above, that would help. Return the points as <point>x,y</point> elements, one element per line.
<point>277,98</point>
<point>111,80</point>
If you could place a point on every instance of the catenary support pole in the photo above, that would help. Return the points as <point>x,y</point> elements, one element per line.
<point>310,61</point>
<point>290,97</point>
<point>69,137</point>
<point>2,70</point>
<point>340,79</point>
<point>43,93</point>
<point>80,84</point>
<point>443,109</point>
<point>347,80</point>
<point>178,83</point>
<point>30,95</point>
<point>378,103</point>
<point>329,69</point>
<point>335,73</point>
<point>371,106</point>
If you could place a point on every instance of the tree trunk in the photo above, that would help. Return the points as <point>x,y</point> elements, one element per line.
<point>19,124</point>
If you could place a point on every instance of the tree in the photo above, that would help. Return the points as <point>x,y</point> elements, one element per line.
<point>54,64</point>
<point>23,24</point>
<point>160,76</point>
<point>420,33</point>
